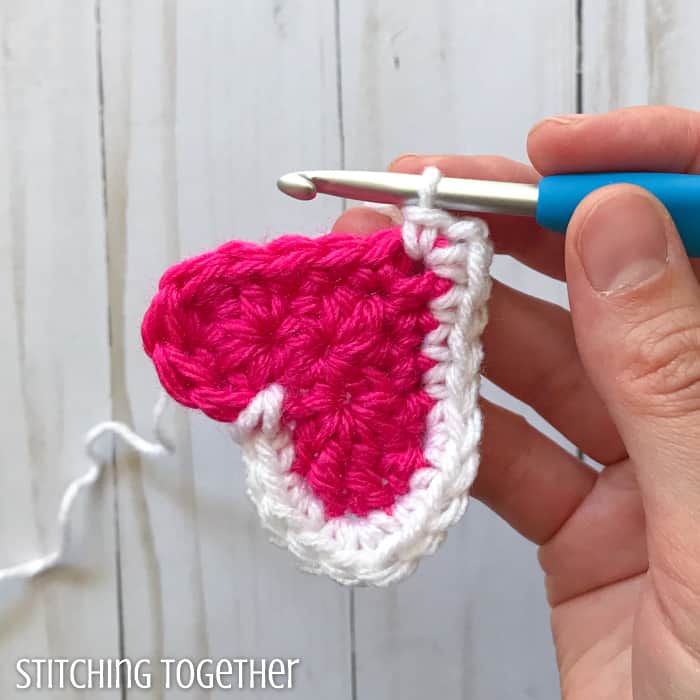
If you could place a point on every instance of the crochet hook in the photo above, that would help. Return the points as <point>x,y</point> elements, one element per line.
<point>552,201</point>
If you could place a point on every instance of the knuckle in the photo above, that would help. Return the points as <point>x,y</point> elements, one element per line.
<point>558,385</point>
<point>676,597</point>
<point>661,374</point>
<point>508,466</point>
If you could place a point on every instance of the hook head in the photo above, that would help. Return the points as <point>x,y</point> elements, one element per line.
<point>297,185</point>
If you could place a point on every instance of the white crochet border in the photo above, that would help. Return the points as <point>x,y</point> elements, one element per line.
<point>382,548</point>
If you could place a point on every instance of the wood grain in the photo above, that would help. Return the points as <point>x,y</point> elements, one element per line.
<point>54,329</point>
<point>640,53</point>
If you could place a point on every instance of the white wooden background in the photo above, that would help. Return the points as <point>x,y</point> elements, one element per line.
<point>136,132</point>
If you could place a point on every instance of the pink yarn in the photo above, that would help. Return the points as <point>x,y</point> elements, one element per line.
<point>338,322</point>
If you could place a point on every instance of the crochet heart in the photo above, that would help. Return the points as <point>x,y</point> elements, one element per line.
<point>348,368</point>
<point>338,323</point>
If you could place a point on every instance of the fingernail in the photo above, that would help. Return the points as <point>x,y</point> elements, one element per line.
<point>562,119</point>
<point>405,160</point>
<point>622,242</point>
<point>566,118</point>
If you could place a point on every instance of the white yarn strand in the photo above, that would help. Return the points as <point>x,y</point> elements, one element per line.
<point>39,565</point>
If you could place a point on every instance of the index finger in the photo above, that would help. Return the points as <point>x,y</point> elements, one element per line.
<point>658,139</point>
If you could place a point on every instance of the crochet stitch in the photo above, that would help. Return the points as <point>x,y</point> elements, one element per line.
<point>348,367</point>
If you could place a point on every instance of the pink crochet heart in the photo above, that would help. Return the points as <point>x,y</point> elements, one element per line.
<point>338,322</point>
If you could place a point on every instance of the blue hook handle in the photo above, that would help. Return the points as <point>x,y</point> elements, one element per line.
<point>559,195</point>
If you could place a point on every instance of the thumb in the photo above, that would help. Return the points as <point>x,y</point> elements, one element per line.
<point>635,304</point>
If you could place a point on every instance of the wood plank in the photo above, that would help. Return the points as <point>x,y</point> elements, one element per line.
<point>207,103</point>
<point>53,324</point>
<point>640,53</point>
<point>472,622</point>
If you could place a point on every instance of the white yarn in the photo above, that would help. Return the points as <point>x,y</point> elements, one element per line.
<point>32,568</point>
<point>383,548</point>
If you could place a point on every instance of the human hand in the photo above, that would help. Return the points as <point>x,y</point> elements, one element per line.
<point>619,377</point>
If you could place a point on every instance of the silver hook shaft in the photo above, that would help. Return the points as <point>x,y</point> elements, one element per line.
<point>399,188</point>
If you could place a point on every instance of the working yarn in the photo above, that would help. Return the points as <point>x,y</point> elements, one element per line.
<point>348,368</point>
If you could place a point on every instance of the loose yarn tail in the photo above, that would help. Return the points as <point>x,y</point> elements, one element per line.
<point>161,446</point>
